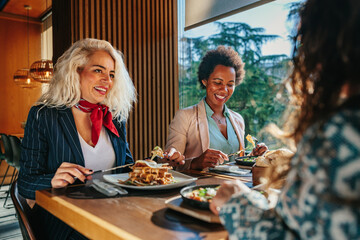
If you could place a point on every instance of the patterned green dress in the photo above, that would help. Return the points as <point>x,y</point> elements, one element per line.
<point>321,199</point>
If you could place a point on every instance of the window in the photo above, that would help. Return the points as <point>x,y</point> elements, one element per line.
<point>46,38</point>
<point>261,36</point>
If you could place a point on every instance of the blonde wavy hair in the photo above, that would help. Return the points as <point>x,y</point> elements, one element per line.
<point>64,88</point>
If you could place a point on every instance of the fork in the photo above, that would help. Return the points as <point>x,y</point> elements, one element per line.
<point>255,140</point>
<point>235,153</point>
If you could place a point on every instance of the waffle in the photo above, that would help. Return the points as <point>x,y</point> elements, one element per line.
<point>149,173</point>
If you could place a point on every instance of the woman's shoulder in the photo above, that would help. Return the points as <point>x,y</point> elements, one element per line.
<point>185,116</point>
<point>43,111</point>
<point>342,127</point>
<point>119,123</point>
<point>342,120</point>
<point>236,116</point>
<point>191,110</point>
<point>339,133</point>
<point>348,116</point>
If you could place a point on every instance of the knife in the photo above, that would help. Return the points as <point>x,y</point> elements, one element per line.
<point>106,170</point>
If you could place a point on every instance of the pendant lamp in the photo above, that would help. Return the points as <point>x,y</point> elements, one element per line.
<point>22,77</point>
<point>42,70</point>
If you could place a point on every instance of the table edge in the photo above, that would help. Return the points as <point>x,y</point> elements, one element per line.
<point>45,200</point>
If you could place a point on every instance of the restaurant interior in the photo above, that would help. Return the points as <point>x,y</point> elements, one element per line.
<point>146,32</point>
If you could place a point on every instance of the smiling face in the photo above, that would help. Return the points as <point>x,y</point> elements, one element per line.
<point>220,86</point>
<point>97,76</point>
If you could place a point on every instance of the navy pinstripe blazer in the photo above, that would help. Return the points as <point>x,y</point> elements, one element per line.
<point>50,139</point>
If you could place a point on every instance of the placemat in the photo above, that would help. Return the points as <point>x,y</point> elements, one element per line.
<point>86,191</point>
<point>230,173</point>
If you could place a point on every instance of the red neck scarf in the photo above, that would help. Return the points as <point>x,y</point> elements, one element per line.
<point>100,115</point>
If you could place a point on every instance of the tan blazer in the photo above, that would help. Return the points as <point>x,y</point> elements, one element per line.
<point>189,132</point>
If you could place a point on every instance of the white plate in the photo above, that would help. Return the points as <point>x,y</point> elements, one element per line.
<point>181,180</point>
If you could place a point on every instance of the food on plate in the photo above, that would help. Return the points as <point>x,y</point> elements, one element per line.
<point>157,152</point>
<point>250,139</point>
<point>274,157</point>
<point>203,194</point>
<point>271,164</point>
<point>248,159</point>
<point>148,172</point>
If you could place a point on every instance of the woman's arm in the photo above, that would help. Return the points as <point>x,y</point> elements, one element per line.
<point>34,174</point>
<point>37,171</point>
<point>246,213</point>
<point>176,141</point>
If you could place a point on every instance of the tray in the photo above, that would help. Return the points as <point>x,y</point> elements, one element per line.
<point>177,204</point>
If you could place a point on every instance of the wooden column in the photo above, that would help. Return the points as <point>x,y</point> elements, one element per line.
<point>146,32</point>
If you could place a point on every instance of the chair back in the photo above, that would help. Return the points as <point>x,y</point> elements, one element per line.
<point>2,151</point>
<point>23,213</point>
<point>8,153</point>
<point>16,150</point>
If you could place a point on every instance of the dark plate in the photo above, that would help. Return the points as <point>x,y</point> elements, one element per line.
<point>240,160</point>
<point>192,202</point>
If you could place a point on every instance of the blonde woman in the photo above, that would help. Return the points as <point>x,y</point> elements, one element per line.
<point>77,126</point>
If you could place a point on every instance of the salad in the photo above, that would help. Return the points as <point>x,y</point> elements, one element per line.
<point>248,159</point>
<point>203,194</point>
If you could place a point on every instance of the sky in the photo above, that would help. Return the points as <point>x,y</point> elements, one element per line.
<point>273,19</point>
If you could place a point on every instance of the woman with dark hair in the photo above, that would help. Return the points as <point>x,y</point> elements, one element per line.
<point>208,131</point>
<point>321,196</point>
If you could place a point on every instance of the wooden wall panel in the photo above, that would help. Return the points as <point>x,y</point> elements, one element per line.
<point>146,32</point>
<point>16,101</point>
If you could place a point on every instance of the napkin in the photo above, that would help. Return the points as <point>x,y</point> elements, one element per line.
<point>231,169</point>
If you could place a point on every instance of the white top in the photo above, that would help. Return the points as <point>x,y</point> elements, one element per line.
<point>100,157</point>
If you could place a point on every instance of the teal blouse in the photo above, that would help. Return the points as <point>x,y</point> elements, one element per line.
<point>217,140</point>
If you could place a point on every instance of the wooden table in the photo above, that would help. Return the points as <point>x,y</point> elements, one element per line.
<point>132,217</point>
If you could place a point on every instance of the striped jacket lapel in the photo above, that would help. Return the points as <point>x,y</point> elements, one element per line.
<point>116,142</point>
<point>67,123</point>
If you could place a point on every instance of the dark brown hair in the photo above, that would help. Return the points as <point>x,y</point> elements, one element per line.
<point>326,56</point>
<point>225,56</point>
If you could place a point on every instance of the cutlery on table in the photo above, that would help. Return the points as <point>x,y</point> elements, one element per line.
<point>235,153</point>
<point>106,170</point>
<point>108,189</point>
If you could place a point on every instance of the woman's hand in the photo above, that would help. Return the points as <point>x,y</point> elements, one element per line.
<point>224,193</point>
<point>67,173</point>
<point>173,157</point>
<point>209,158</point>
<point>259,150</point>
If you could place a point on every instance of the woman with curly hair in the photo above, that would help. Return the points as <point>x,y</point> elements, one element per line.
<point>76,127</point>
<point>321,196</point>
<point>206,132</point>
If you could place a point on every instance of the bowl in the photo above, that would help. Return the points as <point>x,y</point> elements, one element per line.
<point>246,160</point>
<point>192,202</point>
